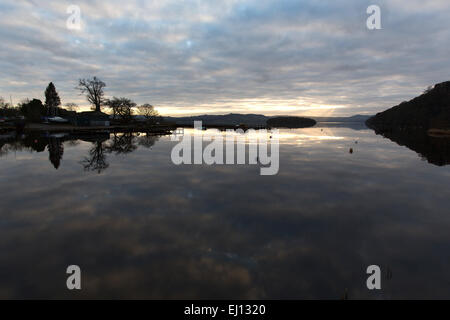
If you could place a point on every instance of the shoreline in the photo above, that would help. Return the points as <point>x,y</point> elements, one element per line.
<point>162,128</point>
<point>40,127</point>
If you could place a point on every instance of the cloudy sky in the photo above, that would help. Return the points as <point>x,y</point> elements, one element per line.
<point>303,57</point>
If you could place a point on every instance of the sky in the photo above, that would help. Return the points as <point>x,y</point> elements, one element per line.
<point>274,57</point>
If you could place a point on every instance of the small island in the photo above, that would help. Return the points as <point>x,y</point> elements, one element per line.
<point>290,122</point>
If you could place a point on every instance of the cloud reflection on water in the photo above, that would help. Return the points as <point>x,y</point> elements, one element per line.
<point>145,228</point>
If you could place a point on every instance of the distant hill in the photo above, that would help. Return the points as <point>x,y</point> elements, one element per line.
<point>429,110</point>
<point>290,122</point>
<point>251,119</point>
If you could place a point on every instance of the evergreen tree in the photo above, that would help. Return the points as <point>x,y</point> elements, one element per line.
<point>52,100</point>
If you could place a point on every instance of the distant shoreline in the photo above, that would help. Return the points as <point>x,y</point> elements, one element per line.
<point>221,122</point>
<point>39,127</point>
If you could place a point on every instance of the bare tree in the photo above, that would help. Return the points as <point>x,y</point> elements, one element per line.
<point>93,89</point>
<point>96,161</point>
<point>70,106</point>
<point>149,112</point>
<point>148,140</point>
<point>4,106</point>
<point>122,108</point>
<point>122,143</point>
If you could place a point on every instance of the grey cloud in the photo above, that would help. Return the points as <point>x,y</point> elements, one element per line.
<point>212,57</point>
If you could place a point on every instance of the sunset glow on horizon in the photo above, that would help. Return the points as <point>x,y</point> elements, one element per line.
<point>194,57</point>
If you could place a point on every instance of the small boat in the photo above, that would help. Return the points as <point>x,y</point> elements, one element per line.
<point>57,120</point>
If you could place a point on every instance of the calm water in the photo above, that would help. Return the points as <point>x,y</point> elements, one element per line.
<point>141,227</point>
